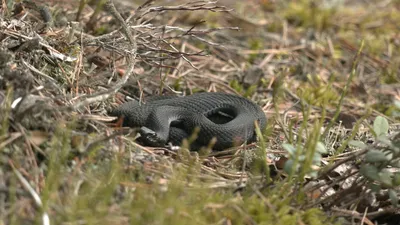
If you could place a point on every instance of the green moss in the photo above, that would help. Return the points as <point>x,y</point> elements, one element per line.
<point>309,14</point>
<point>315,92</point>
<point>390,75</point>
<point>255,44</point>
<point>274,26</point>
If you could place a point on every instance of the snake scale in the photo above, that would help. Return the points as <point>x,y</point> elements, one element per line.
<point>163,119</point>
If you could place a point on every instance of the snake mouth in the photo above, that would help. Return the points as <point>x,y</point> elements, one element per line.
<point>150,137</point>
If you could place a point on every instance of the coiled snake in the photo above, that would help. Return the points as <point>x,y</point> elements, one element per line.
<point>228,118</point>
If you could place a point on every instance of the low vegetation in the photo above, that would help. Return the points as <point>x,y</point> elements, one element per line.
<point>326,75</point>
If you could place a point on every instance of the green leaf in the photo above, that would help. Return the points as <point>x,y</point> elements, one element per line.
<point>397,104</point>
<point>313,174</point>
<point>395,148</point>
<point>358,144</point>
<point>321,148</point>
<point>381,126</point>
<point>370,172</point>
<point>396,179</point>
<point>386,177</point>
<point>288,167</point>
<point>302,158</point>
<point>384,140</point>
<point>289,148</point>
<point>394,199</point>
<point>395,163</point>
<point>375,187</point>
<point>373,156</point>
<point>317,158</point>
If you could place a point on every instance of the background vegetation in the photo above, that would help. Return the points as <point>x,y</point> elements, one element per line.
<point>325,72</point>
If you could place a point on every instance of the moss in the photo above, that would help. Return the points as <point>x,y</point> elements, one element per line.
<point>255,44</point>
<point>315,92</point>
<point>309,14</point>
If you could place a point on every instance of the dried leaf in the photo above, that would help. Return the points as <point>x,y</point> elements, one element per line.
<point>37,137</point>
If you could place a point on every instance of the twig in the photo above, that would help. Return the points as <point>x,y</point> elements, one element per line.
<point>354,214</point>
<point>273,51</point>
<point>192,6</point>
<point>131,58</point>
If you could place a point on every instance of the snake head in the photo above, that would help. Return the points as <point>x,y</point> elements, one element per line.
<point>151,138</point>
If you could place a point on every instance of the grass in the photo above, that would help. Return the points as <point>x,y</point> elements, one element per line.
<point>328,85</point>
<point>98,190</point>
<point>112,194</point>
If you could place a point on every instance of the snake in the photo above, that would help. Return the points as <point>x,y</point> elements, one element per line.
<point>227,119</point>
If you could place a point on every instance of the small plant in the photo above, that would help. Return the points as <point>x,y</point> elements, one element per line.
<point>381,164</point>
<point>299,159</point>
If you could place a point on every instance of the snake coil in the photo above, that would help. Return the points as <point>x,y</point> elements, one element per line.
<point>228,118</point>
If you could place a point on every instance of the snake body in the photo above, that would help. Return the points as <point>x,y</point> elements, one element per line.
<point>228,118</point>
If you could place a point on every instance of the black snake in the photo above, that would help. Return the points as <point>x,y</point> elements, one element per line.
<point>228,118</point>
